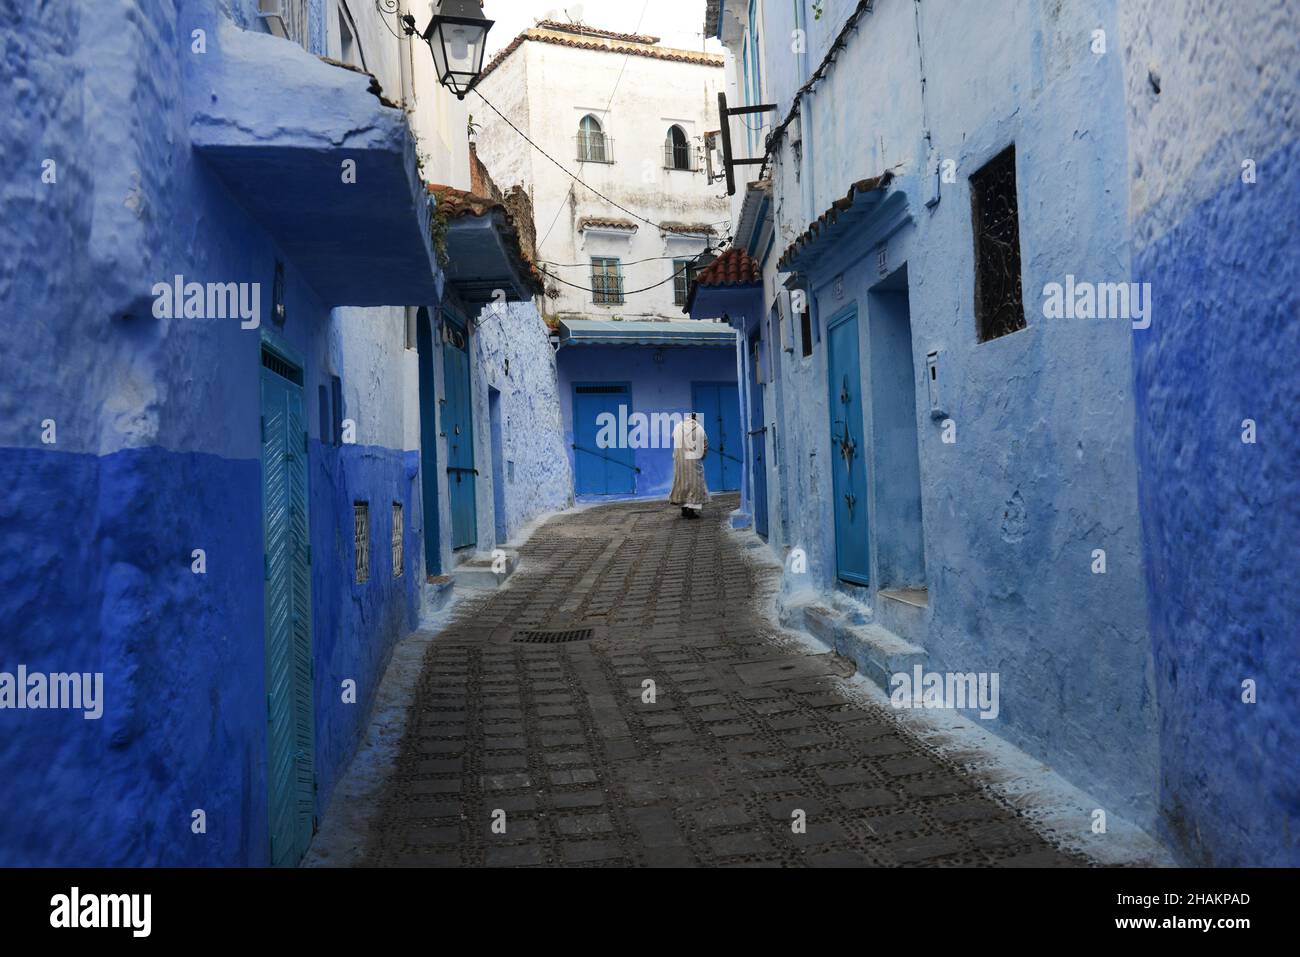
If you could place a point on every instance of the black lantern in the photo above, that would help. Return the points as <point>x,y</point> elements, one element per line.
<point>457,35</point>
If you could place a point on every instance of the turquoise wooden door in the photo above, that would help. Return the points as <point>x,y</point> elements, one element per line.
<point>458,426</point>
<point>848,459</point>
<point>718,404</point>
<point>291,764</point>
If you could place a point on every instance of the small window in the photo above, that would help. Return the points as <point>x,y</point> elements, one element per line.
<point>999,302</point>
<point>361,539</point>
<point>398,530</point>
<point>336,391</point>
<point>606,280</point>
<point>347,42</point>
<point>682,275</point>
<point>593,144</point>
<point>800,305</point>
<point>677,149</point>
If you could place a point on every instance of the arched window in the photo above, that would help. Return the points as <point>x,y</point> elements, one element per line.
<point>677,149</point>
<point>592,144</point>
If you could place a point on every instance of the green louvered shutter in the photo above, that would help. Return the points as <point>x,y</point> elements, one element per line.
<point>290,719</point>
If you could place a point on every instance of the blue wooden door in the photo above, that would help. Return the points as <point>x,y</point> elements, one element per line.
<point>757,440</point>
<point>848,460</point>
<point>458,426</point>
<point>602,468</point>
<point>718,404</point>
<point>287,593</point>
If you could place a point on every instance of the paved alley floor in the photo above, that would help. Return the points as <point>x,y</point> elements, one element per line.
<point>524,753</point>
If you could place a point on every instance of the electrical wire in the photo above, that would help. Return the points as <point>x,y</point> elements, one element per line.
<point>574,176</point>
<point>626,293</point>
<point>634,262</point>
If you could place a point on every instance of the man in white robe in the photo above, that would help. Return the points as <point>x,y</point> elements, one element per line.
<point>689,447</point>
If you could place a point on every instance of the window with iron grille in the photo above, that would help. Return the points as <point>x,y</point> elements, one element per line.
<point>677,149</point>
<point>398,531</point>
<point>606,280</point>
<point>593,145</point>
<point>361,539</point>
<point>287,19</point>
<point>682,275</point>
<point>999,301</point>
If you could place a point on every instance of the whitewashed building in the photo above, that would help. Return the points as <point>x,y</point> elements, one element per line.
<point>629,118</point>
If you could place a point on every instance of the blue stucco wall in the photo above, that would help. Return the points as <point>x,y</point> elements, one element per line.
<point>1220,517</point>
<point>512,355</point>
<point>1044,470</point>
<point>663,386</point>
<point>157,454</point>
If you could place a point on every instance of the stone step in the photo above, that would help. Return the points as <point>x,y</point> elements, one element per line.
<point>480,571</point>
<point>878,652</point>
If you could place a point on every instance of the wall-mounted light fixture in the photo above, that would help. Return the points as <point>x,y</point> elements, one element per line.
<point>457,37</point>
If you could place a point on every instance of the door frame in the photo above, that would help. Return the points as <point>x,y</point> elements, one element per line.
<point>270,342</point>
<point>846,314</point>
<point>453,316</point>
<point>631,407</point>
<point>720,384</point>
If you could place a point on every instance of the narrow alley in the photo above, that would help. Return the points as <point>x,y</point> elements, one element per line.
<point>531,713</point>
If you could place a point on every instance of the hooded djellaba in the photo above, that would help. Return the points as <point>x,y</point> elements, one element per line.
<point>690,444</point>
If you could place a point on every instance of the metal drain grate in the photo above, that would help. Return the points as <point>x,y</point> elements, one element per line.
<point>552,637</point>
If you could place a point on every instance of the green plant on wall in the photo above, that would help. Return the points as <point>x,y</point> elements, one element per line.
<point>438,233</point>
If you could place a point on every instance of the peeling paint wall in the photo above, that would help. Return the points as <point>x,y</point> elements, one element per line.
<point>512,356</point>
<point>1219,515</point>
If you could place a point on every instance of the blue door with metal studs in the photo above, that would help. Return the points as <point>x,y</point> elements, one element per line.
<point>291,771</point>
<point>718,405</point>
<point>602,467</point>
<point>458,427</point>
<point>848,461</point>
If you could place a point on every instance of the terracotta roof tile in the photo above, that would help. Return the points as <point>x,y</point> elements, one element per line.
<point>595,222</point>
<point>829,217</point>
<point>734,267</point>
<point>609,45</point>
<point>583,29</point>
<point>689,229</point>
<point>458,203</point>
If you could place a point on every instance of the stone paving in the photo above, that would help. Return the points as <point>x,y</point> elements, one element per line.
<point>556,746</point>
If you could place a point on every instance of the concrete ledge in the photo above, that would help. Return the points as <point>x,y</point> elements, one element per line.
<point>877,651</point>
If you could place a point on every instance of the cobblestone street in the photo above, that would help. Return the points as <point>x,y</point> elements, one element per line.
<point>746,729</point>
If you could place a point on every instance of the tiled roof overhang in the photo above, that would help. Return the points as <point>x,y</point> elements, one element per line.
<point>483,250</point>
<point>593,222</point>
<point>734,268</point>
<point>608,46</point>
<point>862,198</point>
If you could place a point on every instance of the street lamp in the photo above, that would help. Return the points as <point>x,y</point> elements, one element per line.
<point>457,36</point>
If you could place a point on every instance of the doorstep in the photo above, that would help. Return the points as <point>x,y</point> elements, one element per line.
<point>481,571</point>
<point>878,652</point>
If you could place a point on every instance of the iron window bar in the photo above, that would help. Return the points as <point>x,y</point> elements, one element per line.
<point>595,147</point>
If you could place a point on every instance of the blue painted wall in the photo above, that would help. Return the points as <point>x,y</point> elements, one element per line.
<point>663,386</point>
<point>1043,471</point>
<point>510,353</point>
<point>157,454</point>
<point>1220,517</point>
